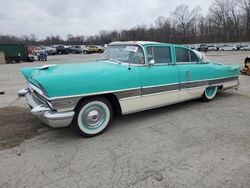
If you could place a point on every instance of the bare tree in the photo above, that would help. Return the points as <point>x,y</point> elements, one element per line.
<point>184,19</point>
<point>246,16</point>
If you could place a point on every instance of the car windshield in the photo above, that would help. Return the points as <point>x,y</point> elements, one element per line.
<point>124,54</point>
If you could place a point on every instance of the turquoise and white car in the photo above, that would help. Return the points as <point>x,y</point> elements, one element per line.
<point>131,77</point>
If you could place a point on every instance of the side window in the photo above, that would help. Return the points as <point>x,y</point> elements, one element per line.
<point>185,55</point>
<point>193,57</point>
<point>160,54</point>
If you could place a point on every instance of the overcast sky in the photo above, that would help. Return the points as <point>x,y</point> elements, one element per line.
<point>83,17</point>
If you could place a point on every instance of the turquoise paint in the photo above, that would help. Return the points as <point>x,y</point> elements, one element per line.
<point>84,78</point>
<point>104,76</point>
<point>210,91</point>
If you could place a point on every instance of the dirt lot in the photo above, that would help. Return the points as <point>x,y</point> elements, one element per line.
<point>192,144</point>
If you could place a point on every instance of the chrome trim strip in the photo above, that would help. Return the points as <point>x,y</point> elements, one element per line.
<point>189,84</point>
<point>211,79</point>
<point>159,93</point>
<point>160,85</point>
<point>160,89</point>
<point>130,98</point>
<point>97,93</point>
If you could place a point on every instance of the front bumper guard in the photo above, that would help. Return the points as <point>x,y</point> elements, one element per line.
<point>45,113</point>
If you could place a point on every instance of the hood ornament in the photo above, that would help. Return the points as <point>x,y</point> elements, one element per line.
<point>46,66</point>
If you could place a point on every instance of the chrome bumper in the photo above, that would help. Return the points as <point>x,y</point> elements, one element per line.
<point>45,113</point>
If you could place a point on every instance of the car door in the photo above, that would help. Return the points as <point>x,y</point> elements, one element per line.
<point>193,73</point>
<point>160,78</point>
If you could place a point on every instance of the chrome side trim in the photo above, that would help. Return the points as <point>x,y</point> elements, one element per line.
<point>231,77</point>
<point>205,82</point>
<point>97,93</point>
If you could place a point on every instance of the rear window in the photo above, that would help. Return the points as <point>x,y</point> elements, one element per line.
<point>184,55</point>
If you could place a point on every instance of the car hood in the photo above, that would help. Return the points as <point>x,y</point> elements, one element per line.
<point>82,78</point>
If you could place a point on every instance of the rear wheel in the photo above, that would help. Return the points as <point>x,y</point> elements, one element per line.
<point>210,93</point>
<point>93,116</point>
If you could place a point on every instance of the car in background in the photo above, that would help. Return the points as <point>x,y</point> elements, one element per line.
<point>50,50</point>
<point>61,49</point>
<point>245,48</point>
<point>76,49</point>
<point>95,49</point>
<point>228,48</point>
<point>194,46</point>
<point>211,48</point>
<point>239,46</point>
<point>203,48</point>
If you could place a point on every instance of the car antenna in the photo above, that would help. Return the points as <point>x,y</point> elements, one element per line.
<point>129,67</point>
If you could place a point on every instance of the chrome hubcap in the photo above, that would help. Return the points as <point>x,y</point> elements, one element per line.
<point>93,117</point>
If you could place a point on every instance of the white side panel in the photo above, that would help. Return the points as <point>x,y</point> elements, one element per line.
<point>130,105</point>
<point>189,94</point>
<point>159,99</point>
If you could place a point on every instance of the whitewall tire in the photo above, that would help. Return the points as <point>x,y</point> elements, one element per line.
<point>93,116</point>
<point>210,93</point>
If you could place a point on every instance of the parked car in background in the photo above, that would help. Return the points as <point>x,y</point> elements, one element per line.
<point>239,46</point>
<point>76,49</point>
<point>228,48</point>
<point>211,48</point>
<point>95,49</point>
<point>126,80</point>
<point>194,46</point>
<point>245,48</point>
<point>50,50</point>
<point>61,49</point>
<point>203,48</point>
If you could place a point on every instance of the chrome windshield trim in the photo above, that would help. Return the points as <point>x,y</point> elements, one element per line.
<point>135,44</point>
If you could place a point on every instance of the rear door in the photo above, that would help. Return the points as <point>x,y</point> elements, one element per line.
<point>193,73</point>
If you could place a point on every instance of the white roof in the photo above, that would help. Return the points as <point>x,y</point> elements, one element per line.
<point>134,42</point>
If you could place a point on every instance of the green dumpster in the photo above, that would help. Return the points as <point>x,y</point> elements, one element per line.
<point>14,52</point>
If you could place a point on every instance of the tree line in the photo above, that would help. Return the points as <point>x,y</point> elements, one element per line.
<point>226,21</point>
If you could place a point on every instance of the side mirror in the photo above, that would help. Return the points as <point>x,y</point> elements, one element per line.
<point>151,62</point>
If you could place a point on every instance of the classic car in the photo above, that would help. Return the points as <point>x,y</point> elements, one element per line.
<point>131,77</point>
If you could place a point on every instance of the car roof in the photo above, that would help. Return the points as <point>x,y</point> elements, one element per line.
<point>133,42</point>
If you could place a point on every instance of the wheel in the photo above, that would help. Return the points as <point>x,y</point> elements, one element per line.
<point>210,93</point>
<point>85,52</point>
<point>93,116</point>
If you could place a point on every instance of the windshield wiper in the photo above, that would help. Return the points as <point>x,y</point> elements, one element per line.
<point>115,60</point>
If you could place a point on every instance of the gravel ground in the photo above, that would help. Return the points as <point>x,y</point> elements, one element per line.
<point>192,144</point>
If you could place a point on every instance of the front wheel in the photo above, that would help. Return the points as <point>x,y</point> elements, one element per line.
<point>209,93</point>
<point>93,116</point>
